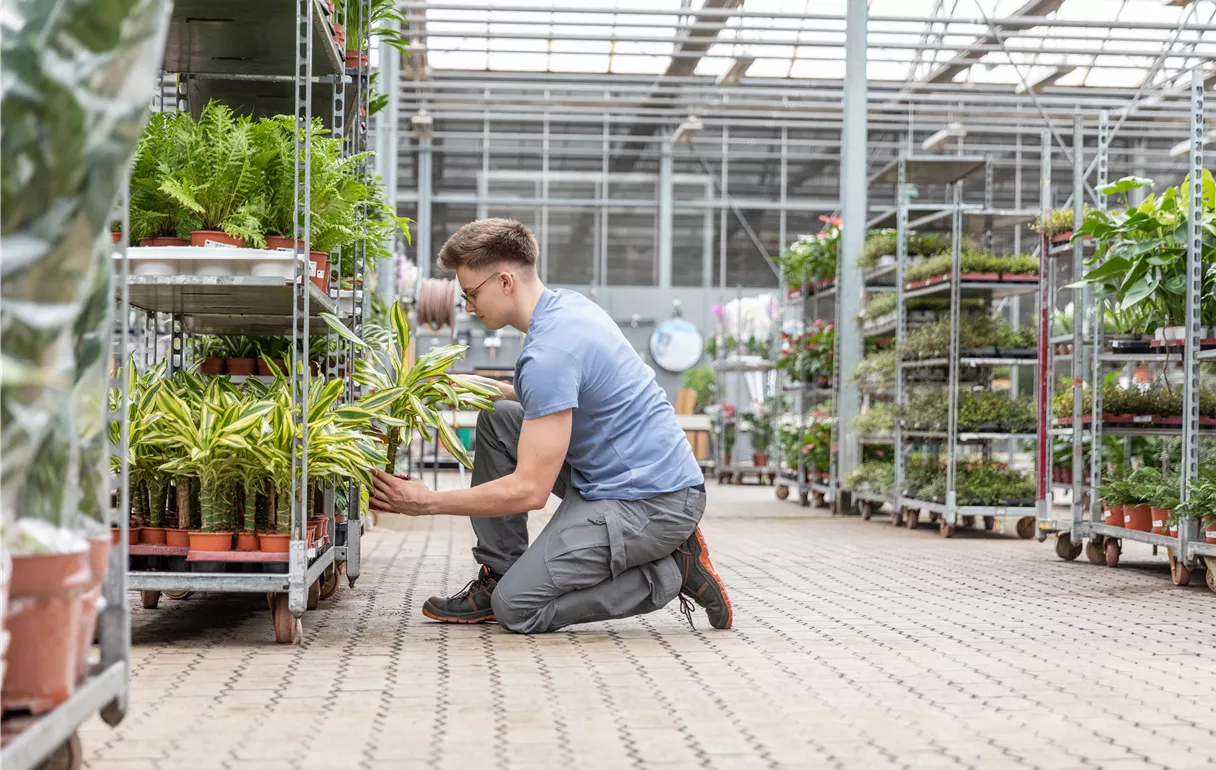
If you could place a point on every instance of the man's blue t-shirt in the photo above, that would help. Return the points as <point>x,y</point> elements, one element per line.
<point>625,443</point>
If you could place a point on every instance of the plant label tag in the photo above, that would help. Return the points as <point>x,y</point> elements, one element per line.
<point>1143,418</point>
<point>285,249</point>
<point>210,244</point>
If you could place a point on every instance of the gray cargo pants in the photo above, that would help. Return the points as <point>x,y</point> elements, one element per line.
<point>594,560</point>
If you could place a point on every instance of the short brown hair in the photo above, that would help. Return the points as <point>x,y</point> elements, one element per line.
<point>488,242</point>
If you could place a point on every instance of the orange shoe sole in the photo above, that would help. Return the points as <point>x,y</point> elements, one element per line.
<point>462,621</point>
<point>703,558</point>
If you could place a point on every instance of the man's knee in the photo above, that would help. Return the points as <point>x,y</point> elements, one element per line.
<point>510,616</point>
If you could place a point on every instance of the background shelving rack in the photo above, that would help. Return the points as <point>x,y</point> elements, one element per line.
<point>804,301</point>
<point>735,369</point>
<point>261,58</point>
<point>947,171</point>
<point>1188,551</point>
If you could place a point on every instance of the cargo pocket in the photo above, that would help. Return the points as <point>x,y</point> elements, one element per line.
<point>582,555</point>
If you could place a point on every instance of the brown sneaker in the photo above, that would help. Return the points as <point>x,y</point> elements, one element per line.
<point>701,582</point>
<point>470,605</point>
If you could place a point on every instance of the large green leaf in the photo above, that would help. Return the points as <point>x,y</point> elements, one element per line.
<point>451,442</point>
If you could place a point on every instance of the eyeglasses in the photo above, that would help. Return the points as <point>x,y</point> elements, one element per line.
<point>465,296</point>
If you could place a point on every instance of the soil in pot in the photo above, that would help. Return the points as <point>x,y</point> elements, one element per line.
<point>178,538</point>
<point>43,622</point>
<point>247,541</point>
<point>214,366</point>
<point>91,602</point>
<point>1138,517</point>
<point>152,535</point>
<point>242,366</point>
<point>214,239</point>
<point>274,543</point>
<point>164,240</point>
<point>210,541</point>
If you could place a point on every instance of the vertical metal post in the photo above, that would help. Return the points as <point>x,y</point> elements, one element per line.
<point>544,194</point>
<point>901,328</point>
<point>605,190</point>
<point>989,197</point>
<point>784,188</point>
<point>483,183</point>
<point>1189,530</point>
<point>707,241</point>
<point>1043,320</point>
<point>956,256</point>
<point>853,183</point>
<point>300,376</point>
<point>722,211</point>
<point>1078,337</point>
<point>666,222</point>
<point>424,207</point>
<point>1080,304</point>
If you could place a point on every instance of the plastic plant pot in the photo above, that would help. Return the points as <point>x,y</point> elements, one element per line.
<point>274,543</point>
<point>1159,517</point>
<point>242,366</point>
<point>210,541</point>
<point>91,602</point>
<point>247,541</point>
<point>164,240</point>
<point>1138,517</point>
<point>1113,516</point>
<point>215,239</point>
<point>152,535</point>
<point>178,538</point>
<point>213,365</point>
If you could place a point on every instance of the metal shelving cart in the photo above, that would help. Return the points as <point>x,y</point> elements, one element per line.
<point>1085,530</point>
<point>806,303</point>
<point>260,58</point>
<point>948,172</point>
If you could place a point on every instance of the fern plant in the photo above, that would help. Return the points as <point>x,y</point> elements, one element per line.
<point>218,183</point>
<point>153,212</point>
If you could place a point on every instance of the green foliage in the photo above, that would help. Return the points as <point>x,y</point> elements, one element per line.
<point>1058,221</point>
<point>1013,415</point>
<point>1139,259</point>
<point>878,418</point>
<point>927,409</point>
<point>808,356</point>
<point>882,243</point>
<point>701,380</point>
<point>873,476</point>
<point>977,483</point>
<point>760,430</point>
<point>876,368</point>
<point>975,331</point>
<point>813,257</point>
<point>386,24</point>
<point>972,262</point>
<point>878,305</point>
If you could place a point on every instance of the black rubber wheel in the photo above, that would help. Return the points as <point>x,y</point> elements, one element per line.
<point>867,510</point>
<point>989,523</point>
<point>912,519</point>
<point>1025,527</point>
<point>68,756</point>
<point>968,522</point>
<point>1095,551</point>
<point>934,518</point>
<point>1066,549</point>
<point>804,499</point>
<point>149,599</point>
<point>329,582</point>
<point>782,492</point>
<point>897,517</point>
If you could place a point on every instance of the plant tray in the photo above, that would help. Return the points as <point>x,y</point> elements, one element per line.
<point>1206,342</point>
<point>156,550</point>
<point>988,352</point>
<point>248,556</point>
<point>1131,346</point>
<point>975,277</point>
<point>1017,353</point>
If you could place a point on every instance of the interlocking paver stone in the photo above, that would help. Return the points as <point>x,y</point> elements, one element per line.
<point>857,645</point>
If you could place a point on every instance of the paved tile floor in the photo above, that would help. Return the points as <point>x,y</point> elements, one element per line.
<point>857,645</point>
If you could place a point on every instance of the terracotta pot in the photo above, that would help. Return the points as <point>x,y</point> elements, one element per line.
<point>311,536</point>
<point>247,541</point>
<point>318,263</point>
<point>133,535</point>
<point>152,535</point>
<point>43,623</point>
<point>164,240</point>
<point>210,541</point>
<point>760,460</point>
<point>116,237</point>
<point>1138,517</point>
<point>215,238</point>
<point>1159,517</point>
<point>115,535</point>
<point>353,59</point>
<point>322,525</point>
<point>980,276</point>
<point>91,602</point>
<point>282,243</point>
<point>266,371</point>
<point>1209,532</point>
<point>728,459</point>
<point>178,538</point>
<point>242,366</point>
<point>213,366</point>
<point>339,518</point>
<point>272,543</point>
<point>1113,515</point>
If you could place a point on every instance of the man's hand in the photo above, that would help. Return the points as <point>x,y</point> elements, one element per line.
<point>397,495</point>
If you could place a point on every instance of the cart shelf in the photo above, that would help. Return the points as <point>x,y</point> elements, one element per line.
<point>968,289</point>
<point>227,304</point>
<point>930,169</point>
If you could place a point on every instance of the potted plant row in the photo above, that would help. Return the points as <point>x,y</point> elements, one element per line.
<point>974,266</point>
<point>811,261</point>
<point>808,358</point>
<point>880,247</point>
<point>229,181</point>
<point>1139,261</point>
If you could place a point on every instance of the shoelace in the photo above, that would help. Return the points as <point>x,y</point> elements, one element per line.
<point>686,606</point>
<point>477,582</point>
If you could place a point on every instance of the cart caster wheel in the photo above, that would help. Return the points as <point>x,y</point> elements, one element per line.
<point>1180,574</point>
<point>1026,527</point>
<point>150,599</point>
<point>68,756</point>
<point>804,499</point>
<point>946,530</point>
<point>912,519</point>
<point>1066,549</point>
<point>329,583</point>
<point>817,499</point>
<point>989,523</point>
<point>867,511</point>
<point>897,517</point>
<point>314,595</point>
<point>934,518</point>
<point>737,479</point>
<point>177,595</point>
<point>1095,551</point>
<point>1112,552</point>
<point>1210,576</point>
<point>968,522</point>
<point>287,627</point>
<point>782,492</point>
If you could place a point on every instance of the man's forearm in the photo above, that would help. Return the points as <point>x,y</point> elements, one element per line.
<point>500,497</point>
